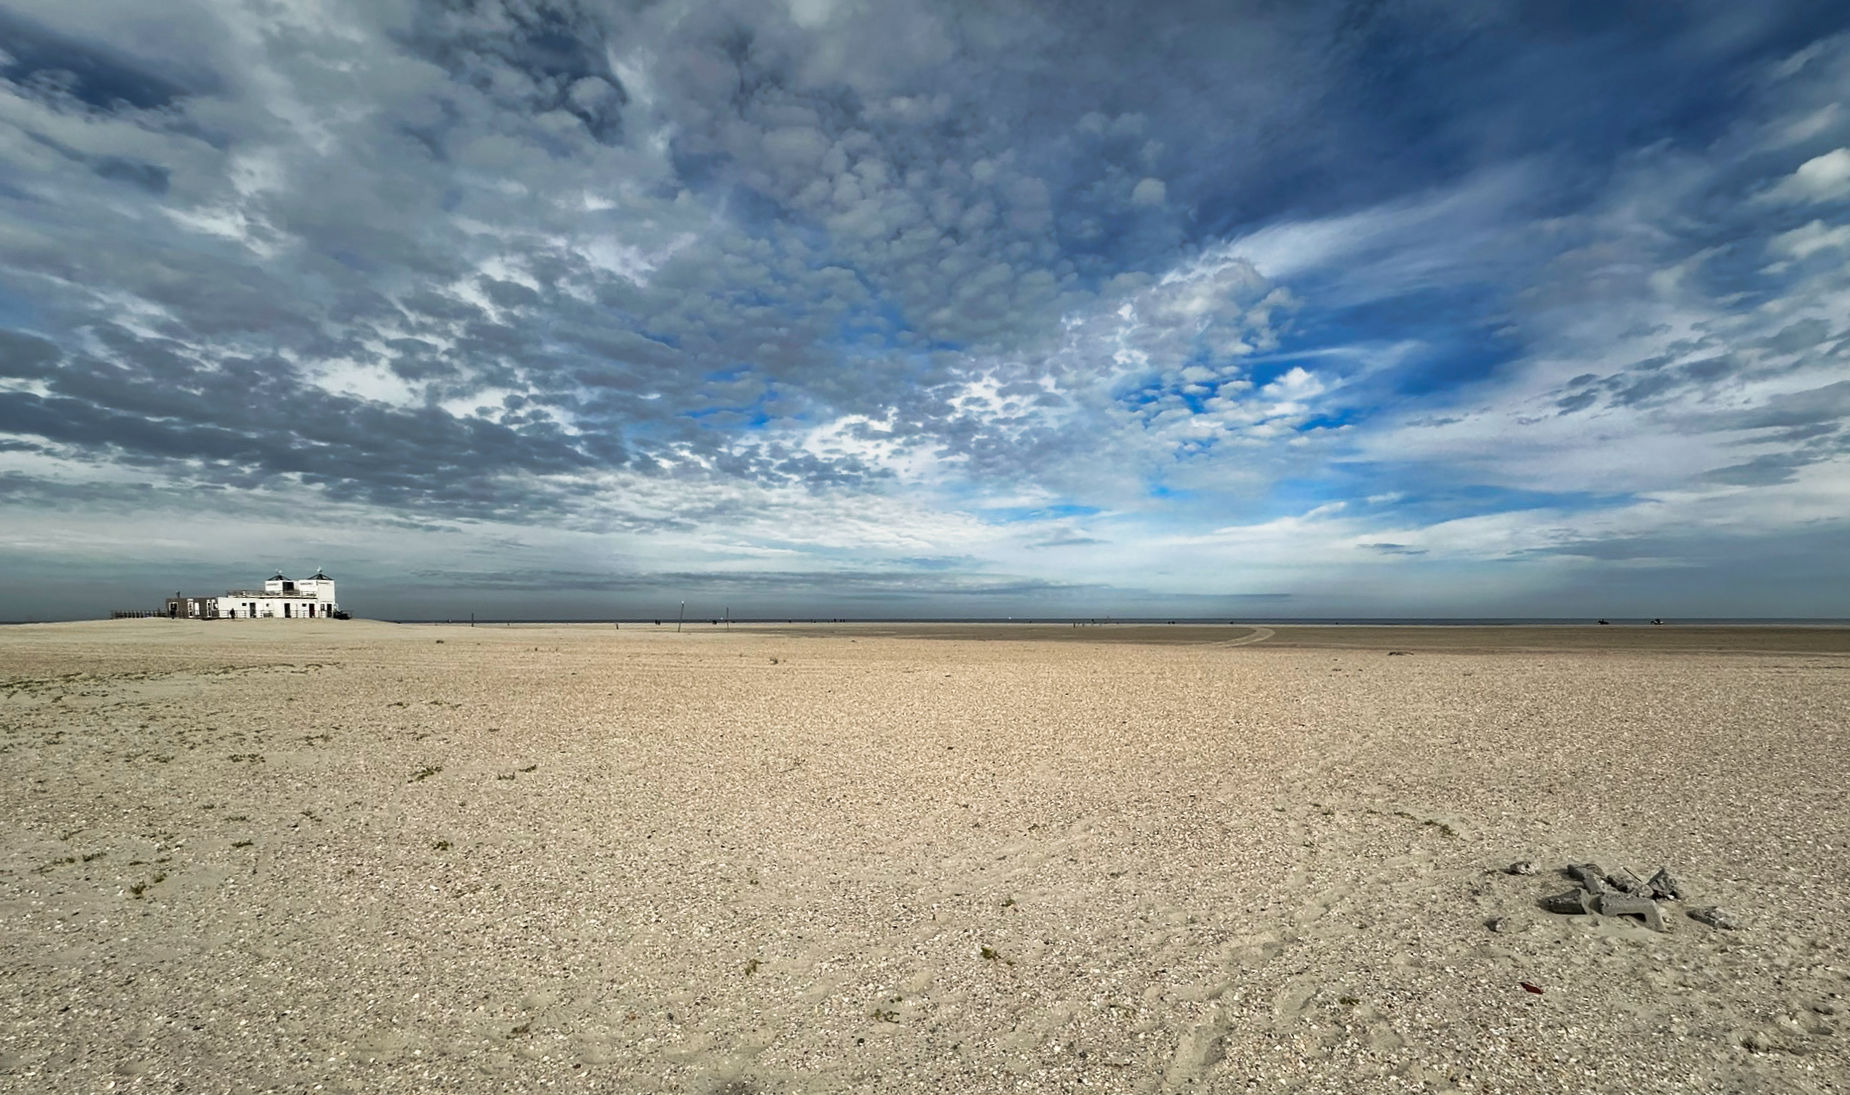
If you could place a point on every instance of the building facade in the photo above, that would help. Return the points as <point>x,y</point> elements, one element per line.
<point>281,598</point>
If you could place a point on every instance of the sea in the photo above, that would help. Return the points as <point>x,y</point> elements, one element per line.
<point>1190,621</point>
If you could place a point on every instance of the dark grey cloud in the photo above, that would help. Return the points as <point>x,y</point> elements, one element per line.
<point>24,355</point>
<point>1759,472</point>
<point>247,422</point>
<point>146,176</point>
<point>850,583</point>
<point>1827,404</point>
<point>1800,336</point>
<point>89,72</point>
<point>536,58</point>
<point>1795,557</point>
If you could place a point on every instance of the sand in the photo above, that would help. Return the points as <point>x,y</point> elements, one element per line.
<point>289,855</point>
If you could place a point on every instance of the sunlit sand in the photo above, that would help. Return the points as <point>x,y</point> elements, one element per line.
<point>276,855</point>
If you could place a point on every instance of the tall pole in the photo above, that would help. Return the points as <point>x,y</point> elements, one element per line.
<point>728,617</point>
<point>683,616</point>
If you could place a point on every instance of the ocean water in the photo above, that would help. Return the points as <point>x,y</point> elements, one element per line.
<point>1195,621</point>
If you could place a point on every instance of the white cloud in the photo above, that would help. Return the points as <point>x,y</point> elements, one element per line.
<point>1398,246</point>
<point>1808,239</point>
<point>1807,126</point>
<point>1821,178</point>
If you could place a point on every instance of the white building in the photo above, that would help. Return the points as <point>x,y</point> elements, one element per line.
<point>280,598</point>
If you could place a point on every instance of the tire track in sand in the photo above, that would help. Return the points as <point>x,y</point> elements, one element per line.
<point>1259,635</point>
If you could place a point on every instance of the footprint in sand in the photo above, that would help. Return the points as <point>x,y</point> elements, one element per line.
<point>1293,1001</point>
<point>1310,912</point>
<point>1380,1037</point>
<point>1201,1048</point>
<point>1249,951</point>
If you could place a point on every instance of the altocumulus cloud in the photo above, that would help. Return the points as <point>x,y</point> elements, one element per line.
<point>582,308</point>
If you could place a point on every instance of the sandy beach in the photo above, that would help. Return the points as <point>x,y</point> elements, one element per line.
<point>354,856</point>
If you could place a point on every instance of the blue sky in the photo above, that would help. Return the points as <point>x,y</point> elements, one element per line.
<point>835,308</point>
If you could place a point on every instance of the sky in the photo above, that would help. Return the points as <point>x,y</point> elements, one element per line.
<point>825,308</point>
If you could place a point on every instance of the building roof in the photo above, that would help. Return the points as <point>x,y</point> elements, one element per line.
<point>320,577</point>
<point>279,576</point>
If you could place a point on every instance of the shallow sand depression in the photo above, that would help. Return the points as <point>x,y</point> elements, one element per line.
<point>271,855</point>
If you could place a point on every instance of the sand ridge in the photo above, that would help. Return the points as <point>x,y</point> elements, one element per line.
<point>415,858</point>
